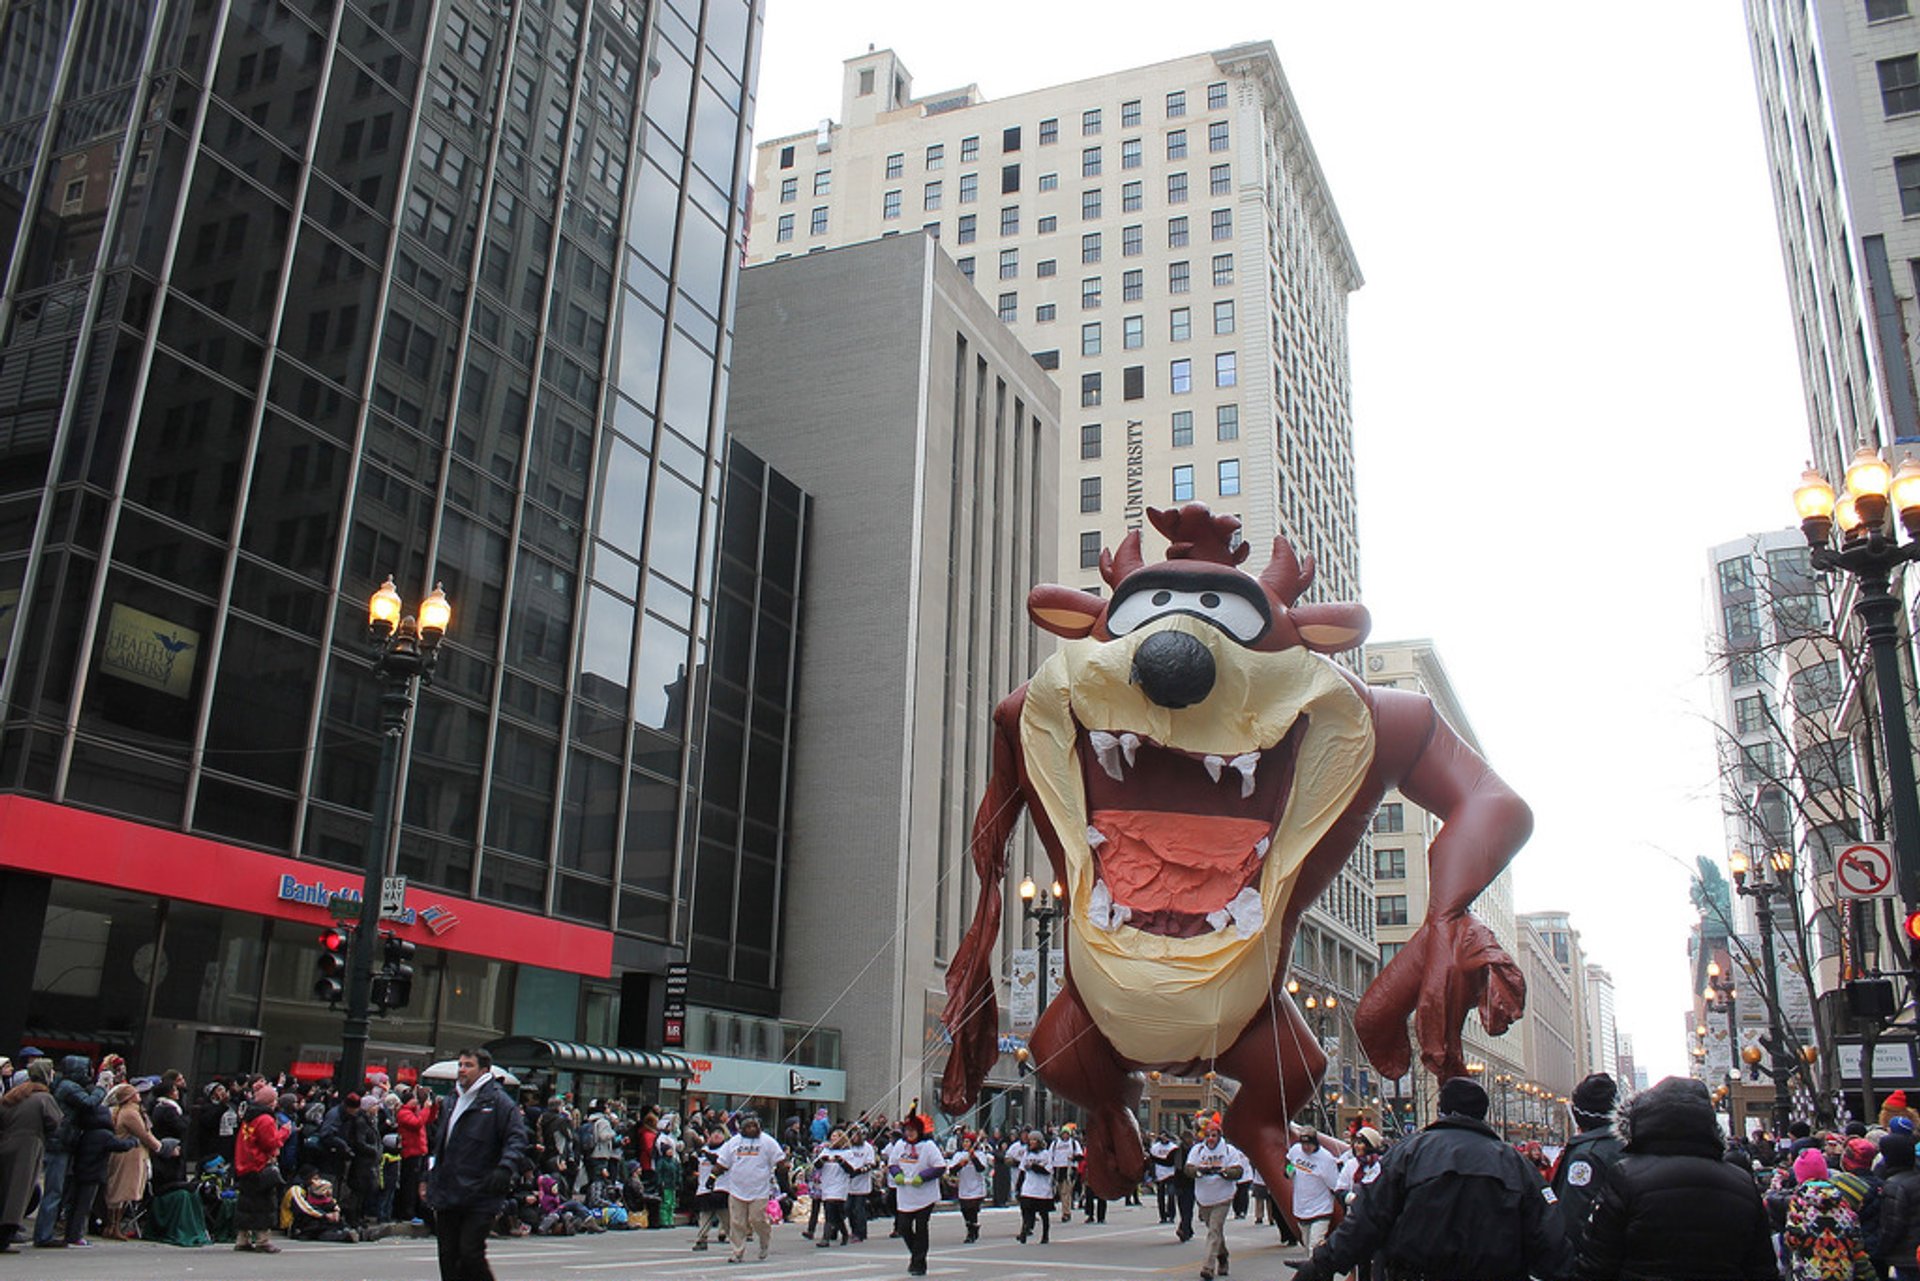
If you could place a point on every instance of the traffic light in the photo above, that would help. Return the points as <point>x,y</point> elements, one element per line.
<point>330,984</point>
<point>1911,926</point>
<point>393,986</point>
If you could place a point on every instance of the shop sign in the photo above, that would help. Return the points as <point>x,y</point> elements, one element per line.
<point>149,650</point>
<point>317,893</point>
<point>751,1078</point>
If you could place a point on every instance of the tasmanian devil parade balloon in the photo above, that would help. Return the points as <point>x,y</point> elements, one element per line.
<point>1198,772</point>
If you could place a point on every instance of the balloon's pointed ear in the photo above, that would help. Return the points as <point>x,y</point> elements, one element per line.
<point>1065,612</point>
<point>1329,629</point>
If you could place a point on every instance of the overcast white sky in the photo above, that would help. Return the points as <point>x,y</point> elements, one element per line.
<point>1573,371</point>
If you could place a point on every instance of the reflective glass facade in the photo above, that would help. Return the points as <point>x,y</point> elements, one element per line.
<point>301,293</point>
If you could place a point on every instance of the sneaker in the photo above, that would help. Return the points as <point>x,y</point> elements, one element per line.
<point>763,1253</point>
<point>418,1223</point>
<point>823,1245</point>
<point>266,1247</point>
<point>699,1245</point>
<point>80,1243</point>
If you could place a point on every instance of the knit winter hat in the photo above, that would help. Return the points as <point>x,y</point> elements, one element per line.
<point>1810,1166</point>
<point>1897,1151</point>
<point>1595,1096</point>
<point>1859,1156</point>
<point>1901,1125</point>
<point>1898,1099</point>
<point>1462,1095</point>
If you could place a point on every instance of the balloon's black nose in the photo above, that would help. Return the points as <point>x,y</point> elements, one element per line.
<point>1173,669</point>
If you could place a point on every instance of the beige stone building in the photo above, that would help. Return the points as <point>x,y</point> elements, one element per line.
<point>1550,1034</point>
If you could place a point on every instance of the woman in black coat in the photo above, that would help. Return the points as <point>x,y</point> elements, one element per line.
<point>1672,1207</point>
<point>93,1143</point>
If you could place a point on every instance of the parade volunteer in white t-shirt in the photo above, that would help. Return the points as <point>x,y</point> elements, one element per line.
<point>1065,1157</point>
<point>915,1171</point>
<point>967,1170</point>
<point>861,1160</point>
<point>749,1160</point>
<point>831,1178</point>
<point>1316,1172</point>
<point>1033,1184</point>
<point>1215,1166</point>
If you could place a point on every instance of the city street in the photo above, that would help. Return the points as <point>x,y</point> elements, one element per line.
<point>1130,1244</point>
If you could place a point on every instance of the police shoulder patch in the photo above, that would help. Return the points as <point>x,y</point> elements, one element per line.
<point>1579,1174</point>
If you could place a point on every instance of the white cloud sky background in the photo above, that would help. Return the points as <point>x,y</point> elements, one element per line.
<point>1573,372</point>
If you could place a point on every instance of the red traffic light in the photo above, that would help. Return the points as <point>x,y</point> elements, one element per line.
<point>1911,926</point>
<point>334,941</point>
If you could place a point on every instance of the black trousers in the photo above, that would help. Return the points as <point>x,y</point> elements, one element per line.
<point>406,1196</point>
<point>836,1221</point>
<point>859,1204</point>
<point>1036,1209</point>
<point>912,1225</point>
<point>1183,1199</point>
<point>970,1215</point>
<point>463,1243</point>
<point>1163,1196</point>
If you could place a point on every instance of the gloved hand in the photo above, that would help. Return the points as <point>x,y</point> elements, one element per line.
<point>498,1181</point>
<point>1310,1270</point>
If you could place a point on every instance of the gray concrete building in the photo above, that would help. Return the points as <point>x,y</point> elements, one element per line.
<point>879,381</point>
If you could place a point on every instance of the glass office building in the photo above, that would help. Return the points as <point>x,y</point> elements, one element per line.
<point>295,294</point>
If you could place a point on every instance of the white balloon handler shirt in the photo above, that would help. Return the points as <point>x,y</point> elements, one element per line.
<point>1220,1168</point>
<point>915,1172</point>
<point>1316,1172</point>
<point>862,1158</point>
<point>1063,1154</point>
<point>1163,1154</point>
<point>748,1165</point>
<point>830,1176</point>
<point>1353,1177</point>
<point>1034,1168</point>
<point>969,1177</point>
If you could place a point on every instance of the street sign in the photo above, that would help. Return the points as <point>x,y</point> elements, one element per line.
<point>393,896</point>
<point>1865,871</point>
<point>342,908</point>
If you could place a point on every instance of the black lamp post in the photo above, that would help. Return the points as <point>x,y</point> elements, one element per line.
<point>1718,998</point>
<point>404,650</point>
<point>1043,909</point>
<point>1504,1082</point>
<point>1760,882</point>
<point>1869,551</point>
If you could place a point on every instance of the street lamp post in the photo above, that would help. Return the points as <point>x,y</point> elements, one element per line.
<point>1503,1082</point>
<point>1043,909</point>
<point>404,653</point>
<point>1869,552</point>
<point>1760,882</point>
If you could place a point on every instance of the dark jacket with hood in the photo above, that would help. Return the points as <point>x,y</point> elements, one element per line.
<point>74,1092</point>
<point>94,1141</point>
<point>490,1135</point>
<point>1672,1207</point>
<point>1899,1202</point>
<point>1453,1201</point>
<point>1576,1179</point>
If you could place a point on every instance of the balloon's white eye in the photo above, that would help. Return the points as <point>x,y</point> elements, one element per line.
<point>1233,614</point>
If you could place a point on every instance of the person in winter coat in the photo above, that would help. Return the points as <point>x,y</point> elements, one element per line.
<point>1669,1206</point>
<point>362,1133</point>
<point>1452,1201</point>
<point>1821,1241</point>
<point>29,1118</point>
<point>93,1144</point>
<point>413,1118</point>
<point>127,1171</point>
<point>1587,1157</point>
<point>74,1092</point>
<point>169,1121</point>
<point>256,1167</point>
<point>480,1145</point>
<point>1899,1207</point>
<point>1861,1186</point>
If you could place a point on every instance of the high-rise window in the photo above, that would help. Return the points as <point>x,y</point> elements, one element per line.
<point>1046,267</point>
<point>1130,154</point>
<point>789,190</point>
<point>1133,333</point>
<point>1009,139</point>
<point>1010,220</point>
<point>968,230</point>
<point>1223,316</point>
<point>1009,308</point>
<point>823,182</point>
<point>1176,189</point>
<point>1090,204</point>
<point>818,225</point>
<point>890,205</point>
<point>1133,382</point>
<point>1130,196</point>
<point>1390,909</point>
<point>1182,428</point>
<point>1226,422</point>
<point>936,155</point>
<point>1090,162</point>
<point>1183,483</point>
<point>1222,224</point>
<point>1089,390</point>
<point>1044,314</point>
<point>1089,493</point>
<point>1177,232</point>
<point>1132,241</point>
<point>1130,114</point>
<point>1229,469</point>
<point>969,188</point>
<point>1049,182</point>
<point>1089,293</point>
<point>1220,180</point>
<point>1180,376</point>
<point>1090,549</point>
<point>1089,440</point>
<point>1090,339</point>
<point>1217,136</point>
<point>931,197</point>
<point>1177,144</point>
<point>1049,132</point>
<point>1906,176</point>
<point>1223,269</point>
<point>1177,278</point>
<point>896,165</point>
<point>1090,247</point>
<point>1047,225</point>
<point>1885,10</point>
<point>1179,324</point>
<point>784,230</point>
<point>1132,285</point>
<point>969,149</point>
<point>1216,95</point>
<point>1009,264</point>
<point>1899,84</point>
<point>1225,369</point>
<point>1176,103</point>
<point>1090,123</point>
<point>965,265</point>
<point>1009,179</point>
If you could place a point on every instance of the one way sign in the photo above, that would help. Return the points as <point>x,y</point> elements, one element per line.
<point>1865,871</point>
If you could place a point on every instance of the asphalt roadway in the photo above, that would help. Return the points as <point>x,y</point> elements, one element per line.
<point>1131,1246</point>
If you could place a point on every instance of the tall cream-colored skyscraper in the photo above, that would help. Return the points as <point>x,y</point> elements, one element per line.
<point>1162,238</point>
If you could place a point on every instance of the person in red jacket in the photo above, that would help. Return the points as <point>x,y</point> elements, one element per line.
<point>414,1117</point>
<point>256,1156</point>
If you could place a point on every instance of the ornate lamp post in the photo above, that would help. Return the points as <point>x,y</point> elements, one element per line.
<point>1869,551</point>
<point>404,652</point>
<point>1043,908</point>
<point>1760,882</point>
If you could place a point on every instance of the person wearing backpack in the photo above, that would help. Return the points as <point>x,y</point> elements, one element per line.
<point>1822,1239</point>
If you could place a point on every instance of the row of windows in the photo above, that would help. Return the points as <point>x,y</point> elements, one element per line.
<point>1226,426</point>
<point>1133,377</point>
<point>1133,328</point>
<point>1133,286</point>
<point>1226,475</point>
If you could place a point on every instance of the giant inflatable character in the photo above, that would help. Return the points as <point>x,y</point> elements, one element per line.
<point>1198,774</point>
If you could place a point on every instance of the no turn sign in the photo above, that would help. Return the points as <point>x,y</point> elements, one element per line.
<point>1865,871</point>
